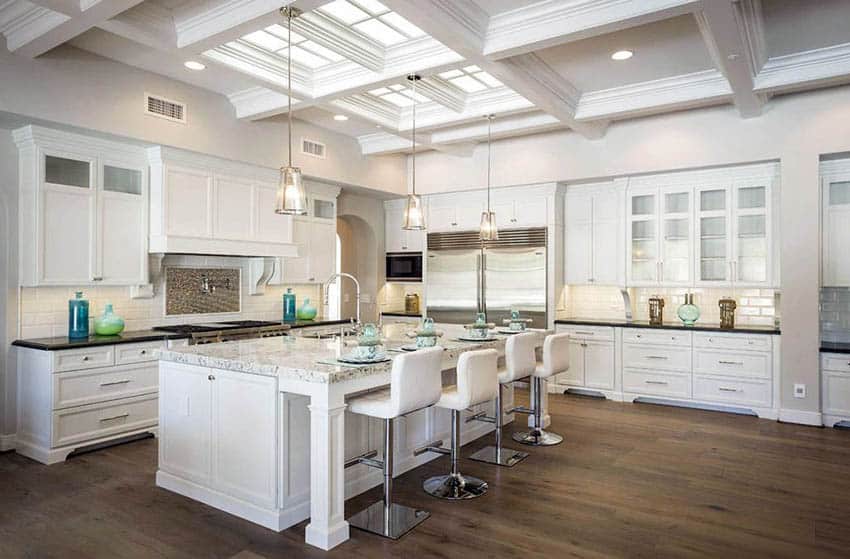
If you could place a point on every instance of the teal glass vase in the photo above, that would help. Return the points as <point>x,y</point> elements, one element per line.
<point>688,313</point>
<point>78,317</point>
<point>109,323</point>
<point>289,312</point>
<point>307,311</point>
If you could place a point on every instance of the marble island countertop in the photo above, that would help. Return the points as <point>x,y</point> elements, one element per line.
<point>310,359</point>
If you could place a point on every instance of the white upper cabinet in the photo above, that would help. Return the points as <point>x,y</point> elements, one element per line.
<point>314,236</point>
<point>835,184</point>
<point>398,239</point>
<point>83,208</point>
<point>703,228</point>
<point>458,211</point>
<point>594,234</point>
<point>207,205</point>
<point>515,208</point>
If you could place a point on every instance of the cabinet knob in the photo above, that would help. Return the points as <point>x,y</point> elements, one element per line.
<point>454,224</point>
<point>85,358</point>
<point>211,377</point>
<point>144,352</point>
<point>97,278</point>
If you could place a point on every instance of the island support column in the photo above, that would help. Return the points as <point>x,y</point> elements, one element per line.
<point>328,527</point>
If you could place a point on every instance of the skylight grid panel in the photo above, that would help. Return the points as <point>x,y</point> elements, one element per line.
<point>418,96</point>
<point>344,11</point>
<point>318,49</point>
<point>488,80</point>
<point>380,91</point>
<point>402,25</point>
<point>380,32</point>
<point>471,69</point>
<point>398,100</point>
<point>306,58</point>
<point>396,87</point>
<point>450,74</point>
<point>280,31</point>
<point>372,6</point>
<point>468,84</point>
<point>265,40</point>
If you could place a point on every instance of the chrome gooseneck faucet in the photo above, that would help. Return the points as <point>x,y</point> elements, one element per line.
<point>356,284</point>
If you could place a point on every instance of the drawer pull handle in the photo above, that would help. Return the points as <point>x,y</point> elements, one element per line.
<point>85,358</point>
<point>114,382</point>
<point>144,352</point>
<point>584,333</point>
<point>738,363</point>
<point>662,382</point>
<point>114,417</point>
<point>724,389</point>
<point>211,377</point>
<point>661,357</point>
<point>583,345</point>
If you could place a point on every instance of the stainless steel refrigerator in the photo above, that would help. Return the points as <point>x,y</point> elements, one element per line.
<point>465,276</point>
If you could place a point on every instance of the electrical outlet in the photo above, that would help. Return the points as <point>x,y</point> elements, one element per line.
<point>799,390</point>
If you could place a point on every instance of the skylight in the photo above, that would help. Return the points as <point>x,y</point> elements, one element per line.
<point>307,53</point>
<point>399,95</point>
<point>471,79</point>
<point>373,20</point>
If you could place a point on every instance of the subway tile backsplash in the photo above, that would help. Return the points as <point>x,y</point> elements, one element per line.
<point>835,314</point>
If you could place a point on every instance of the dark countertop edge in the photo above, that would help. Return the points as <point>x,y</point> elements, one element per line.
<point>767,330</point>
<point>313,323</point>
<point>45,344</point>
<point>834,347</point>
<point>402,314</point>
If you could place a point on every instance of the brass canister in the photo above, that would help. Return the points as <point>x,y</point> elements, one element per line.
<point>656,310</point>
<point>727,312</point>
<point>411,303</point>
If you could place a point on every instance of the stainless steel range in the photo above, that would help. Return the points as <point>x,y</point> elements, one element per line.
<point>225,331</point>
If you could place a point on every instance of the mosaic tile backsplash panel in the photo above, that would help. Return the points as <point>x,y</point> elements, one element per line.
<point>201,290</point>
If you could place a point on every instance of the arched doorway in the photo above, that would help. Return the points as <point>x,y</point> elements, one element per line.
<point>358,256</point>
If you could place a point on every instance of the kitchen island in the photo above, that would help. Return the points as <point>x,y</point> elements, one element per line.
<point>258,428</point>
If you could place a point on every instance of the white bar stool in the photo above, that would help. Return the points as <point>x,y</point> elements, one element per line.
<point>477,382</point>
<point>556,360</point>
<point>416,382</point>
<point>520,362</point>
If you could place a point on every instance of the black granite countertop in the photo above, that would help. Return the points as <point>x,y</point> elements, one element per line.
<point>835,347</point>
<point>402,313</point>
<point>704,327</point>
<point>63,342</point>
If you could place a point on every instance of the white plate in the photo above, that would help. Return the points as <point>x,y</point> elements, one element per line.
<point>381,358</point>
<point>506,331</point>
<point>463,339</point>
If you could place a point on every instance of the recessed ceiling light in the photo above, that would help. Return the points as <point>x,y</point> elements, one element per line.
<point>193,65</point>
<point>622,55</point>
<point>340,117</point>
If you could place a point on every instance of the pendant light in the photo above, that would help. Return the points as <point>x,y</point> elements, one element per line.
<point>414,216</point>
<point>291,197</point>
<point>489,232</point>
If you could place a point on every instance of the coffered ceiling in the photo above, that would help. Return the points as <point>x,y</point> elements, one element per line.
<point>537,64</point>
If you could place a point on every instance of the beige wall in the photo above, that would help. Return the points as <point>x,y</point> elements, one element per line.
<point>794,130</point>
<point>360,226</point>
<point>75,88</point>
<point>8,284</point>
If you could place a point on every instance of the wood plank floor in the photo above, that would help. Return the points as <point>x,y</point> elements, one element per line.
<point>629,481</point>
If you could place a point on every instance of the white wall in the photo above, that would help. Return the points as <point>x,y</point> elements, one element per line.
<point>8,285</point>
<point>794,129</point>
<point>361,230</point>
<point>76,88</point>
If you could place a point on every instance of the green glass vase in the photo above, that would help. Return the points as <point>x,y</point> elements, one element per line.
<point>109,323</point>
<point>307,311</point>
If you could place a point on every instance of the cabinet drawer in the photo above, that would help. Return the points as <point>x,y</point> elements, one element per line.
<point>836,393</point>
<point>657,357</point>
<point>83,358</point>
<point>86,423</point>
<point>742,342</point>
<point>739,364</point>
<point>77,388</point>
<point>137,353</point>
<point>658,337</point>
<point>675,385</point>
<point>836,362</point>
<point>733,391</point>
<point>579,332</point>
<point>183,342</point>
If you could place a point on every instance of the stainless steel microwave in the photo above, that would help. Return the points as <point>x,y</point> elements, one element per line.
<point>404,266</point>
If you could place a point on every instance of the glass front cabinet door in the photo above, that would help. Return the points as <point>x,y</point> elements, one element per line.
<point>714,259</point>
<point>676,245</point>
<point>643,253</point>
<point>836,223</point>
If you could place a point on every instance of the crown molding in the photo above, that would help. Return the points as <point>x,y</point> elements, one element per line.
<point>752,26</point>
<point>341,39</point>
<point>443,92</point>
<point>268,68</point>
<point>22,23</point>
<point>804,68</point>
<point>258,102</point>
<point>677,91</point>
<point>527,123</point>
<point>199,22</point>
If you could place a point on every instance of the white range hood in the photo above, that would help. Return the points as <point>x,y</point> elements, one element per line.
<point>213,206</point>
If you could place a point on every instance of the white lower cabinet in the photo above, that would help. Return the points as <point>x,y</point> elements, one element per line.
<point>703,368</point>
<point>73,398</point>
<point>835,387</point>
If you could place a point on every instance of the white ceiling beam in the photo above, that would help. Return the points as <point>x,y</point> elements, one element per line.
<point>443,92</point>
<point>264,67</point>
<point>819,67</point>
<point>430,116</point>
<point>148,24</point>
<point>39,29</point>
<point>751,18</point>
<point>341,39</point>
<point>258,103</point>
<point>640,99</point>
<point>719,24</point>
<point>552,22</point>
<point>461,25</point>
<point>67,7</point>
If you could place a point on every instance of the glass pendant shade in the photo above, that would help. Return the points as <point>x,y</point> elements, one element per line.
<point>489,231</point>
<point>414,215</point>
<point>291,197</point>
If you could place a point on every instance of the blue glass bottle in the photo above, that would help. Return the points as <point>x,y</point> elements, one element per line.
<point>78,317</point>
<point>289,305</point>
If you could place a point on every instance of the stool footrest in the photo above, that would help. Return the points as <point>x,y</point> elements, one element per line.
<point>366,458</point>
<point>481,416</point>
<point>520,409</point>
<point>436,446</point>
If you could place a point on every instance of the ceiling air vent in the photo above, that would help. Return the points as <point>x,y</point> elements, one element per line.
<point>165,108</point>
<point>313,148</point>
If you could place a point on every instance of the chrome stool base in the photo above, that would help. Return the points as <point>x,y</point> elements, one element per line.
<point>538,438</point>
<point>455,487</point>
<point>401,520</point>
<point>501,457</point>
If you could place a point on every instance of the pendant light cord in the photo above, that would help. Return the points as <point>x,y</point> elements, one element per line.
<point>414,133</point>
<point>489,159</point>
<point>289,77</point>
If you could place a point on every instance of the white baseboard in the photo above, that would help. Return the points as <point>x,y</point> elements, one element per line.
<point>801,417</point>
<point>7,442</point>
